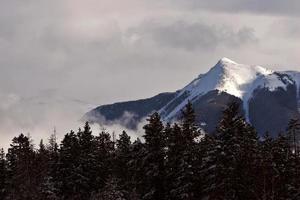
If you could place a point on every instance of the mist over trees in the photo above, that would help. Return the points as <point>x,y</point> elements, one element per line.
<point>175,162</point>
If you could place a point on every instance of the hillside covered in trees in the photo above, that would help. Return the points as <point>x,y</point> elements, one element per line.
<point>175,162</point>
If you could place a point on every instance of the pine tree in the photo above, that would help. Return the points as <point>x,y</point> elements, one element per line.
<point>136,169</point>
<point>87,164</point>
<point>154,161</point>
<point>208,166</point>
<point>111,191</point>
<point>3,174</point>
<point>42,167</point>
<point>190,129</point>
<point>121,161</point>
<point>237,144</point>
<point>104,157</point>
<point>281,153</point>
<point>293,133</point>
<point>67,167</point>
<point>266,174</point>
<point>21,170</point>
<point>174,158</point>
<point>49,189</point>
<point>182,157</point>
<point>292,177</point>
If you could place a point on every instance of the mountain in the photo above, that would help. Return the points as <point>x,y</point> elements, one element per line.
<point>268,99</point>
<point>128,114</point>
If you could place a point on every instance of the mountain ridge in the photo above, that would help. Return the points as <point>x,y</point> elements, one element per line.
<point>226,81</point>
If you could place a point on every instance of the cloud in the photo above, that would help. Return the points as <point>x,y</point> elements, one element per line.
<point>285,28</point>
<point>60,58</point>
<point>118,126</point>
<point>193,36</point>
<point>266,7</point>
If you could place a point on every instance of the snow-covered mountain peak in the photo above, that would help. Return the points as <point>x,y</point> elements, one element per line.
<point>228,76</point>
<point>225,60</point>
<point>263,93</point>
<point>230,66</point>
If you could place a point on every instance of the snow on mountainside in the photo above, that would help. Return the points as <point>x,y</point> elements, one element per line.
<point>269,99</point>
<point>235,79</point>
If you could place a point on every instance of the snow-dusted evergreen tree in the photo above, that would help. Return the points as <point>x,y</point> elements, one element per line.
<point>41,166</point>
<point>104,157</point>
<point>87,163</point>
<point>207,166</point>
<point>182,157</point>
<point>235,165</point>
<point>67,166</point>
<point>121,161</point>
<point>48,189</point>
<point>21,182</point>
<point>292,177</point>
<point>283,161</point>
<point>47,163</point>
<point>154,164</point>
<point>52,178</point>
<point>248,162</point>
<point>3,174</point>
<point>136,170</point>
<point>293,134</point>
<point>266,173</point>
<point>174,153</point>
<point>190,129</point>
<point>111,191</point>
<point>84,163</point>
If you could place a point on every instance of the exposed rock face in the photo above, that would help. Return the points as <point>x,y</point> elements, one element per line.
<point>271,111</point>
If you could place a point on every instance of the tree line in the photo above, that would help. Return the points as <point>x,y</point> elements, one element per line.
<point>174,162</point>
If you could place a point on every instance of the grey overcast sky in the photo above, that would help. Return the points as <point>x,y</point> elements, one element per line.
<point>59,58</point>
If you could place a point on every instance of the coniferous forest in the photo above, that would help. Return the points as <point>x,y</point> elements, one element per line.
<point>174,162</point>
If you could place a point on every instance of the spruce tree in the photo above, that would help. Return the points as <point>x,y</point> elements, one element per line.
<point>121,161</point>
<point>286,184</point>
<point>87,163</point>
<point>104,159</point>
<point>182,157</point>
<point>174,158</point>
<point>42,167</point>
<point>49,189</point>
<point>208,147</point>
<point>190,129</point>
<point>237,144</point>
<point>3,174</point>
<point>111,191</point>
<point>293,133</point>
<point>154,163</point>
<point>21,169</point>
<point>68,165</point>
<point>136,169</point>
<point>266,175</point>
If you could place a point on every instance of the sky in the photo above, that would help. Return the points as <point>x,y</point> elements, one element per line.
<point>60,58</point>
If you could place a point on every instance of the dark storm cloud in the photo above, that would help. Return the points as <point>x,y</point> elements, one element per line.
<point>194,36</point>
<point>273,7</point>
